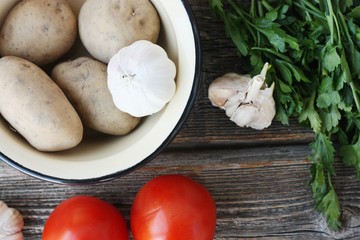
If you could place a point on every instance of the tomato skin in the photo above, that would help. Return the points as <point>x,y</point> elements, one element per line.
<point>173,207</point>
<point>85,218</point>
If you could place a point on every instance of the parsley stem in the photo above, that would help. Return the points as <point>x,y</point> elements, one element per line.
<point>356,96</point>
<point>248,23</point>
<point>308,8</point>
<point>332,21</point>
<point>351,44</point>
<point>261,11</point>
<point>240,12</point>
<point>312,7</point>
<point>252,8</point>
<point>329,180</point>
<point>307,13</point>
<point>267,5</point>
<point>244,17</point>
<point>275,53</point>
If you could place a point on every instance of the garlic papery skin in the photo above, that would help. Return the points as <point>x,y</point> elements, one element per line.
<point>227,86</point>
<point>249,103</point>
<point>141,78</point>
<point>245,115</point>
<point>11,223</point>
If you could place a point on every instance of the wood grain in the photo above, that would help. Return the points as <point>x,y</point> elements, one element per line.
<point>259,179</point>
<point>259,192</point>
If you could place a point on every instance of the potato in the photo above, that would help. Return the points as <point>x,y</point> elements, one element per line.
<point>36,107</point>
<point>40,31</point>
<point>84,81</point>
<point>108,25</point>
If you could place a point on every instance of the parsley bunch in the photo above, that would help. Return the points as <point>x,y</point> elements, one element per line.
<point>314,49</point>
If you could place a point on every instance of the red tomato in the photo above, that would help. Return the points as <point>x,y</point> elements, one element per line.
<point>85,218</point>
<point>173,207</point>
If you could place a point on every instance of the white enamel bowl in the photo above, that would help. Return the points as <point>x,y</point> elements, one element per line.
<point>103,158</point>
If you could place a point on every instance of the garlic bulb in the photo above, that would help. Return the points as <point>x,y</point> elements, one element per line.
<point>141,78</point>
<point>247,101</point>
<point>11,223</point>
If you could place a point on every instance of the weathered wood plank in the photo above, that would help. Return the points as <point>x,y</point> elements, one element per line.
<point>259,192</point>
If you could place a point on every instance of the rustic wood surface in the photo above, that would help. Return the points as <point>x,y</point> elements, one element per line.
<point>259,179</point>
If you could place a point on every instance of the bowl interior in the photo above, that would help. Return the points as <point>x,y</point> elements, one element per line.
<point>100,157</point>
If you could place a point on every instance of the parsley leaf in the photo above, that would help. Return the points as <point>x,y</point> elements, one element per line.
<point>331,208</point>
<point>351,156</point>
<point>330,118</point>
<point>331,58</point>
<point>355,12</point>
<point>309,114</point>
<point>323,152</point>
<point>217,7</point>
<point>318,184</point>
<point>327,99</point>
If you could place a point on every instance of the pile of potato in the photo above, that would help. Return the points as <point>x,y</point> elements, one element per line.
<point>48,98</point>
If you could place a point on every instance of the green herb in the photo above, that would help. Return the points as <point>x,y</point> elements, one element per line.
<point>314,49</point>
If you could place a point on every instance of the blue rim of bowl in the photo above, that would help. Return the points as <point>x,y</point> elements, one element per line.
<point>166,142</point>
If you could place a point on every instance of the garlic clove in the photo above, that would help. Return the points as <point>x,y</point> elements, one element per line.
<point>233,103</point>
<point>267,109</point>
<point>256,84</point>
<point>141,78</point>
<point>11,221</point>
<point>227,86</point>
<point>245,115</point>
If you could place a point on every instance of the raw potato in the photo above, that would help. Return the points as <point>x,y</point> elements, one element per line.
<point>84,81</point>
<point>108,25</point>
<point>40,31</point>
<point>36,107</point>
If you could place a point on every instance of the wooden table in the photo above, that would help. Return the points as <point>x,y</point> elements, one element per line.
<point>259,179</point>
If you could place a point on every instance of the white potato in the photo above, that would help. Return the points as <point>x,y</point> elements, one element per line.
<point>108,25</point>
<point>84,81</point>
<point>40,31</point>
<point>36,107</point>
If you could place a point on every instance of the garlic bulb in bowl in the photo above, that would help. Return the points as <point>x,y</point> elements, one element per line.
<point>141,78</point>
